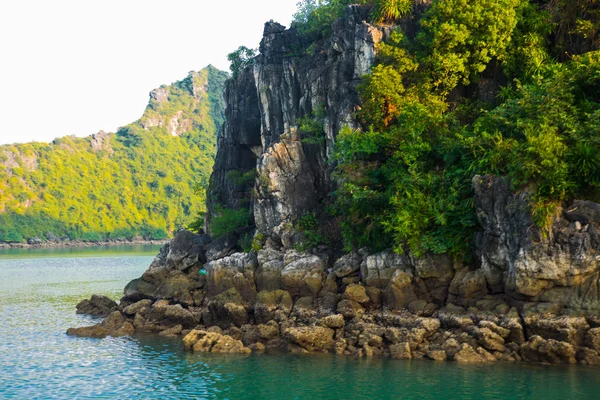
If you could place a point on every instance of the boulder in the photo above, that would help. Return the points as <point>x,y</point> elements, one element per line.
<point>186,250</point>
<point>582,211</point>
<point>379,268</point>
<point>268,273</point>
<point>347,265</point>
<point>467,355</point>
<point>350,309</point>
<point>356,293</point>
<point>234,271</point>
<point>467,285</point>
<point>563,328</point>
<point>226,309</point>
<point>223,246</point>
<point>551,351</point>
<point>272,305</point>
<point>334,321</point>
<point>115,324</point>
<point>212,342</point>
<point>592,339</point>
<point>489,339</point>
<point>97,305</point>
<point>400,292</point>
<point>311,338</point>
<point>400,351</point>
<point>304,277</point>
<point>138,307</point>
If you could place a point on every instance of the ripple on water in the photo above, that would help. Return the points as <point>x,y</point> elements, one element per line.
<point>38,360</point>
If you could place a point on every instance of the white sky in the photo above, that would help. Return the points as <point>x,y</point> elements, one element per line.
<point>79,66</point>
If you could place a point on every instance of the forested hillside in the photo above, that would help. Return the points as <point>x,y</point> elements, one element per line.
<point>144,180</point>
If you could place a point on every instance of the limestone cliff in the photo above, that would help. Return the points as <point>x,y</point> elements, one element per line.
<point>264,107</point>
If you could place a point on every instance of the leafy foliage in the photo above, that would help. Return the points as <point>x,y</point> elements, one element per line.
<point>405,178</point>
<point>227,220</point>
<point>136,182</point>
<point>240,59</point>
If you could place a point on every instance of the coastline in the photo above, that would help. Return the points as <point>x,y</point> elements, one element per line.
<point>79,243</point>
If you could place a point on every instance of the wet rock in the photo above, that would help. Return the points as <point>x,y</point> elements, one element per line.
<point>138,307</point>
<point>489,339</point>
<point>588,356</point>
<point>212,342</point>
<point>562,329</point>
<point>356,293</point>
<point>350,309</point>
<point>592,339</point>
<point>268,331</point>
<point>272,305</point>
<point>400,351</point>
<point>552,351</point>
<point>502,332</point>
<point>173,331</point>
<point>226,309</point>
<point>467,355</point>
<point>437,355</point>
<point>311,338</point>
<point>113,325</point>
<point>97,305</point>
<point>334,321</point>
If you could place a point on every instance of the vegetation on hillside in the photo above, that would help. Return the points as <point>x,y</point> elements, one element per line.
<point>140,181</point>
<point>504,87</point>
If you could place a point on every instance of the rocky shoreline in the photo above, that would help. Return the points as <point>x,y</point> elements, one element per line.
<point>49,244</point>
<point>219,300</point>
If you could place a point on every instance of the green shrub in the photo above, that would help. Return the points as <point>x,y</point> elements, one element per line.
<point>228,221</point>
<point>240,59</point>
<point>245,242</point>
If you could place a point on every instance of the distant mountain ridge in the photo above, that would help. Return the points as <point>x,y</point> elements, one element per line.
<point>142,181</point>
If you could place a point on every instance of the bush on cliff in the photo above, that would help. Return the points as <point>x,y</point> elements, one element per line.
<point>429,125</point>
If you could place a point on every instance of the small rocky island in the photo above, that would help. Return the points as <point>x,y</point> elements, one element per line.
<point>528,293</point>
<point>219,299</point>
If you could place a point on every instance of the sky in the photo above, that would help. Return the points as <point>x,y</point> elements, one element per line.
<point>74,67</point>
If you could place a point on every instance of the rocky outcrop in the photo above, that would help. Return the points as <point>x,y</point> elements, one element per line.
<point>265,105</point>
<point>558,268</point>
<point>212,342</point>
<point>314,310</point>
<point>114,325</point>
<point>97,306</point>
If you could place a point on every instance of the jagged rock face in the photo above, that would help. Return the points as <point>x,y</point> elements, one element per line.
<point>560,268</point>
<point>238,146</point>
<point>294,177</point>
<point>264,108</point>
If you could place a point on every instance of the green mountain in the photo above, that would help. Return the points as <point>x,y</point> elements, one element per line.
<point>144,180</point>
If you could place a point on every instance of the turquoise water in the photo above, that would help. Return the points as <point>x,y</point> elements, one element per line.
<point>38,361</point>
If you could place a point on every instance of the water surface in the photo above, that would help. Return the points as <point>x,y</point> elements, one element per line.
<point>38,293</point>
